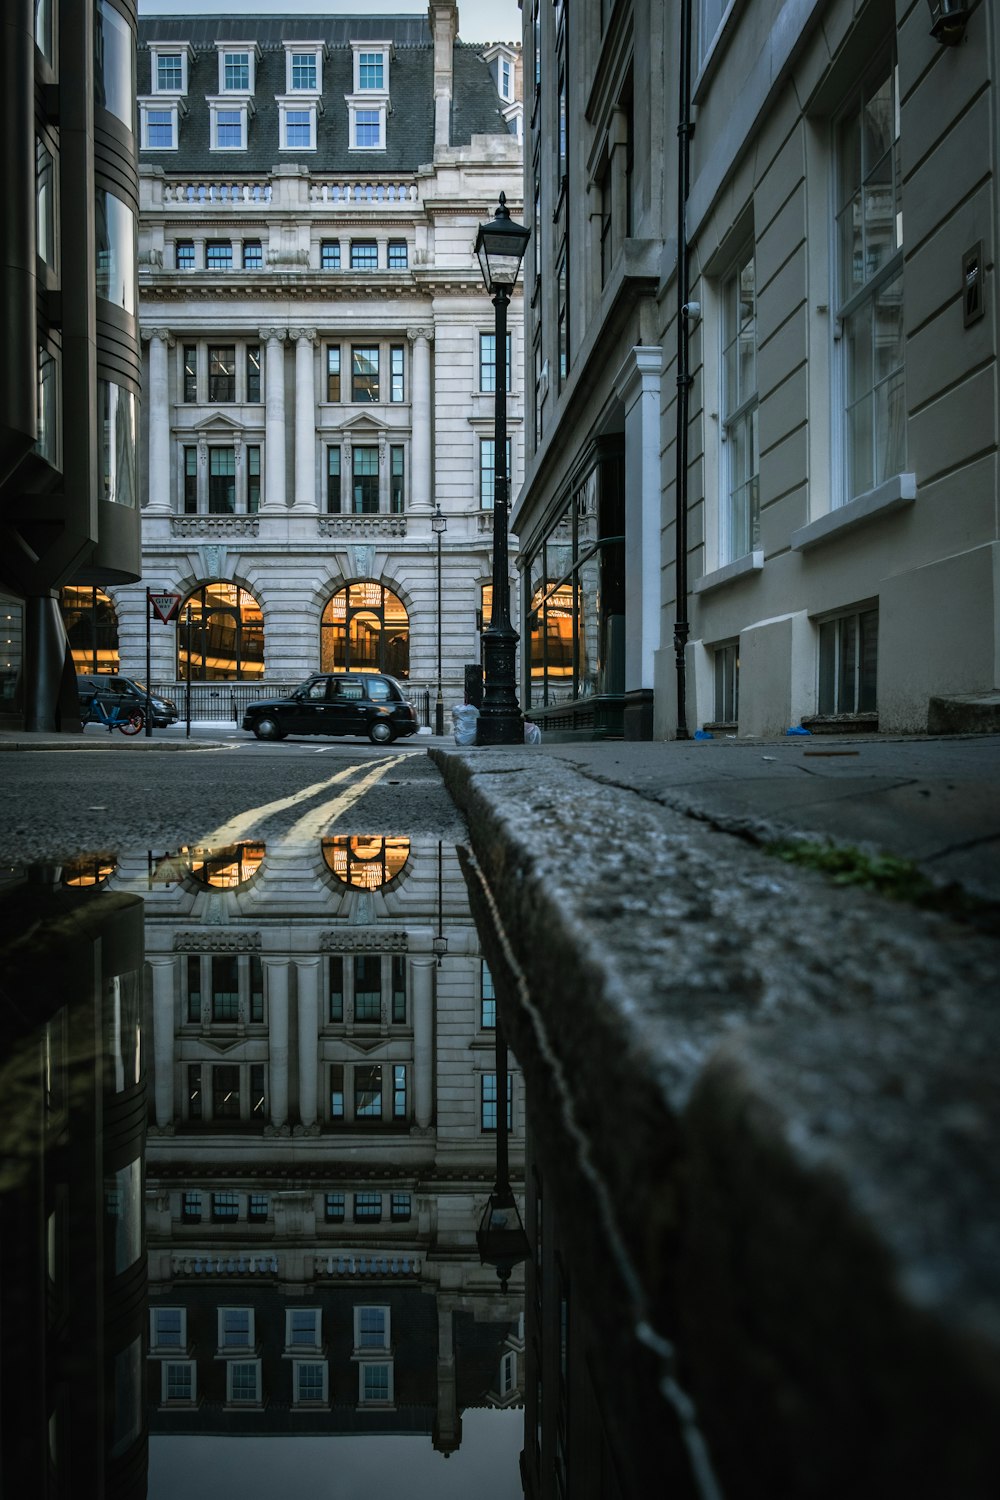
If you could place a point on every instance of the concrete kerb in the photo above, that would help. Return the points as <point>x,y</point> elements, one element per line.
<point>788,1095</point>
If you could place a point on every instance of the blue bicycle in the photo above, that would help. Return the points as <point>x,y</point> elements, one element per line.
<point>127,720</point>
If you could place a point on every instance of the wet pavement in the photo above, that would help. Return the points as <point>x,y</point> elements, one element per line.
<point>256,970</point>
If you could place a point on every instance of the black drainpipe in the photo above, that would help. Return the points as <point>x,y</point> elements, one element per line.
<point>684,132</point>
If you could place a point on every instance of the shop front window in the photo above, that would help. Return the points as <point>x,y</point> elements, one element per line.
<point>220,635</point>
<point>576,593</point>
<point>365,628</point>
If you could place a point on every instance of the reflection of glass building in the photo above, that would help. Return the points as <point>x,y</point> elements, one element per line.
<point>72,1243</point>
<point>69,365</point>
<point>290,473</point>
<point>322,1145</point>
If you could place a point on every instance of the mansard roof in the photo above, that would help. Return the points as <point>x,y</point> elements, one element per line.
<point>476,106</point>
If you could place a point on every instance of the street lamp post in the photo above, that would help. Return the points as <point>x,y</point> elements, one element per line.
<point>500,246</point>
<point>439,526</point>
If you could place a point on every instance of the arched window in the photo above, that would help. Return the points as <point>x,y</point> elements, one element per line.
<point>220,635</point>
<point>92,628</point>
<point>365,628</point>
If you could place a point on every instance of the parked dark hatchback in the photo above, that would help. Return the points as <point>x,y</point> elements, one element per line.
<point>125,694</point>
<point>336,703</point>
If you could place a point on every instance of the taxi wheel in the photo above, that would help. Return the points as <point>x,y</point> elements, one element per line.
<point>381,732</point>
<point>268,729</point>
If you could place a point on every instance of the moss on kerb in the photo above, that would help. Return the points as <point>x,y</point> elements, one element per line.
<point>887,875</point>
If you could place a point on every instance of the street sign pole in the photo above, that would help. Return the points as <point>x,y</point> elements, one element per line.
<point>149,694</point>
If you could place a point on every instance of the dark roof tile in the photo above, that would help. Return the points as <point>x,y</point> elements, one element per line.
<point>410,129</point>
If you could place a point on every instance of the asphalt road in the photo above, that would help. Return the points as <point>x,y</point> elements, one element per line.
<point>60,805</point>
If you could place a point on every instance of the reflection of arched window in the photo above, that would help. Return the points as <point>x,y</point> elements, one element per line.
<point>366,862</point>
<point>365,629</point>
<point>225,868</point>
<point>222,627</point>
<point>92,628</point>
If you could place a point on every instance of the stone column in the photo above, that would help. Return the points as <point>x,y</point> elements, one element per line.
<point>420,418</point>
<point>158,406</point>
<point>274,419</point>
<point>638,386</point>
<point>307,977</point>
<point>164,970</point>
<point>421,973</point>
<point>305,418</point>
<point>276,971</point>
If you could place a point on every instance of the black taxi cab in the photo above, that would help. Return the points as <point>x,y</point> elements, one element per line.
<point>336,703</point>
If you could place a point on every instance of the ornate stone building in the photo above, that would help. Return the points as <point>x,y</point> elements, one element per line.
<point>318,346</point>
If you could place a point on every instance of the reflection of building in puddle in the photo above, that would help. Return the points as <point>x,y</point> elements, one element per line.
<point>223,869</point>
<point>323,1146</point>
<point>72,1129</point>
<point>368,863</point>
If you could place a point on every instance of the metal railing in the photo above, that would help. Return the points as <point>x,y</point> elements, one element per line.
<point>225,702</point>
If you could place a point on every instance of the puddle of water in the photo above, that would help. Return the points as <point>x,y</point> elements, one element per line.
<point>249,1124</point>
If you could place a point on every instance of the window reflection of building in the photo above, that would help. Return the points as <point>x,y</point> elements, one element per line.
<point>364,861</point>
<point>72,1128</point>
<point>365,628</point>
<point>308,1016</point>
<point>575,621</point>
<point>220,635</point>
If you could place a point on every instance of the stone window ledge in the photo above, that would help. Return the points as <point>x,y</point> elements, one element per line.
<point>753,562</point>
<point>896,492</point>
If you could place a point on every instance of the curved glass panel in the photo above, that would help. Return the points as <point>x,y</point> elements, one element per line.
<point>117,414</point>
<point>116,250</point>
<point>92,628</point>
<point>114,64</point>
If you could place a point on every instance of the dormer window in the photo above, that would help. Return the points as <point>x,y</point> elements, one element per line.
<point>367,129</point>
<point>297,123</point>
<point>237,67</point>
<point>303,67</point>
<point>169,67</point>
<point>368,105</point>
<point>371,67</point>
<point>501,61</point>
<point>158,123</point>
<point>228,123</point>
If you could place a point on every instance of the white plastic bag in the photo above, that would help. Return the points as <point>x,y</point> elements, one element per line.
<point>463,723</point>
<point>532,734</point>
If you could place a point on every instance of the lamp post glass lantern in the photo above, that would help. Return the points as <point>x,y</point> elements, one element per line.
<point>439,526</point>
<point>949,19</point>
<point>500,246</point>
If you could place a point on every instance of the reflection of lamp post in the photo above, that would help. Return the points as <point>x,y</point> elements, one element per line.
<point>439,526</point>
<point>500,246</point>
<point>440,943</point>
<point>500,1237</point>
